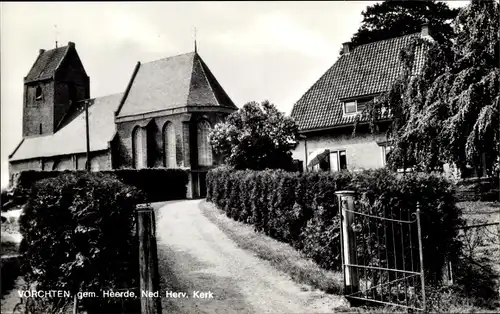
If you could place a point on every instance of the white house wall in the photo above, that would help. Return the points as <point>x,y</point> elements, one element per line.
<point>362,151</point>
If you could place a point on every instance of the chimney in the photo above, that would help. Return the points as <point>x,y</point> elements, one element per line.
<point>71,44</point>
<point>347,47</point>
<point>425,30</point>
<point>41,51</point>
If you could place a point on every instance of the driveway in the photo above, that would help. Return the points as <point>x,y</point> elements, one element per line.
<point>198,260</point>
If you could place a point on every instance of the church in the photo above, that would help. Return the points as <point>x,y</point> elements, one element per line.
<point>161,119</point>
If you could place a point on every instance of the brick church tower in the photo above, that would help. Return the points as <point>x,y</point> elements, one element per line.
<point>56,81</point>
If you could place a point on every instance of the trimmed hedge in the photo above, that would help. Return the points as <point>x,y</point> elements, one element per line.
<point>79,235</point>
<point>158,184</point>
<point>302,209</point>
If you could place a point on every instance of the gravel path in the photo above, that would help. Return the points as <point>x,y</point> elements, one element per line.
<point>194,255</point>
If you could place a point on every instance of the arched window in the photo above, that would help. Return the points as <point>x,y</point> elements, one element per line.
<point>38,93</point>
<point>169,148</point>
<point>204,148</point>
<point>138,145</point>
<point>94,164</point>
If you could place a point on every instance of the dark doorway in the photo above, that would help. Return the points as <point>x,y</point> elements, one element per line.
<point>203,184</point>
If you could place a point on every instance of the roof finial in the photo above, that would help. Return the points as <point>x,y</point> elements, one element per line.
<point>56,33</point>
<point>195,46</point>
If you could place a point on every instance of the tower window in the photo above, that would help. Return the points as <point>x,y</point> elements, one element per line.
<point>72,93</point>
<point>38,93</point>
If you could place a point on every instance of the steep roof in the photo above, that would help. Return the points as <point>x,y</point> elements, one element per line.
<point>366,70</point>
<point>47,63</point>
<point>173,82</point>
<point>71,138</point>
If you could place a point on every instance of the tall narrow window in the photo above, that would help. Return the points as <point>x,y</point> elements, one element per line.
<point>138,148</point>
<point>204,148</point>
<point>342,160</point>
<point>40,128</point>
<point>38,93</point>
<point>72,93</point>
<point>169,147</point>
<point>334,161</point>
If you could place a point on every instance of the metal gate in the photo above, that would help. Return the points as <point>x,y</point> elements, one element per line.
<point>382,259</point>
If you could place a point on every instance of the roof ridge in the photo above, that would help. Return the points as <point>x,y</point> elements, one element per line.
<point>170,57</point>
<point>387,39</point>
<point>108,95</point>
<point>61,60</point>
<point>205,76</point>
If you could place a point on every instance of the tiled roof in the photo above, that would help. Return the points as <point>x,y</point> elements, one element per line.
<point>71,138</point>
<point>173,82</point>
<point>46,64</point>
<point>367,69</point>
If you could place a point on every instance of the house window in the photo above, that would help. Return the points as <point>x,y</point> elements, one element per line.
<point>335,161</point>
<point>169,145</point>
<point>204,148</point>
<point>356,106</point>
<point>38,93</point>
<point>350,107</point>
<point>385,153</point>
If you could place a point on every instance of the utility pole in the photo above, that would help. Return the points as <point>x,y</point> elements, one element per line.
<point>87,164</point>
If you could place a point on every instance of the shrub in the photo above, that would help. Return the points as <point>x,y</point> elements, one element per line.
<point>302,209</point>
<point>78,235</point>
<point>158,184</point>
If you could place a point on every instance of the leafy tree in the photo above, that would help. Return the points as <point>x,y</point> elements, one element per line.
<point>256,137</point>
<point>395,18</point>
<point>449,111</point>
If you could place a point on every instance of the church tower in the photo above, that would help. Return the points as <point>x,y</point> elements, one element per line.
<point>57,80</point>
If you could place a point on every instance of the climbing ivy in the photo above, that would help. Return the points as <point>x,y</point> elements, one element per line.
<point>447,111</point>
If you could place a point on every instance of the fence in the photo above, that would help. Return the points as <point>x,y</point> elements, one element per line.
<point>382,259</point>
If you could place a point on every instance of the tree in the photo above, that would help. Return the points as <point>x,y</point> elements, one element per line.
<point>394,18</point>
<point>256,137</point>
<point>449,112</point>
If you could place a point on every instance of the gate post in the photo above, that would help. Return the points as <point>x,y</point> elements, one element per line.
<point>346,210</point>
<point>148,260</point>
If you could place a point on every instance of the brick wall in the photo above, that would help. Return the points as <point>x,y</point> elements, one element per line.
<point>38,112</point>
<point>99,161</point>
<point>185,134</point>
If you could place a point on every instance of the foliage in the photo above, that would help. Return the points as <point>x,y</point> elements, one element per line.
<point>78,235</point>
<point>257,137</point>
<point>448,111</point>
<point>158,184</point>
<point>391,19</point>
<point>475,270</point>
<point>302,208</point>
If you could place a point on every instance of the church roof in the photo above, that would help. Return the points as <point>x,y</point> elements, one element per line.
<point>174,82</point>
<point>70,138</point>
<point>47,63</point>
<point>367,70</point>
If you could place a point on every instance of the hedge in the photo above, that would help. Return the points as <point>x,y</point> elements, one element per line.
<point>158,184</point>
<point>302,209</point>
<point>79,235</point>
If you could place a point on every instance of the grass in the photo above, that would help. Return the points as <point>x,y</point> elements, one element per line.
<point>280,255</point>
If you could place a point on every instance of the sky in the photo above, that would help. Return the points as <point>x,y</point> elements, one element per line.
<point>257,50</point>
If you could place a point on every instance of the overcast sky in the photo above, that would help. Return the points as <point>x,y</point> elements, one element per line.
<point>256,50</point>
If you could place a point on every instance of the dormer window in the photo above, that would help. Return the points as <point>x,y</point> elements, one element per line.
<point>353,107</point>
<point>38,93</point>
<point>350,107</point>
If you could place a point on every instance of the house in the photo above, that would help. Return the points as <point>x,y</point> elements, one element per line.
<point>327,111</point>
<point>162,119</point>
